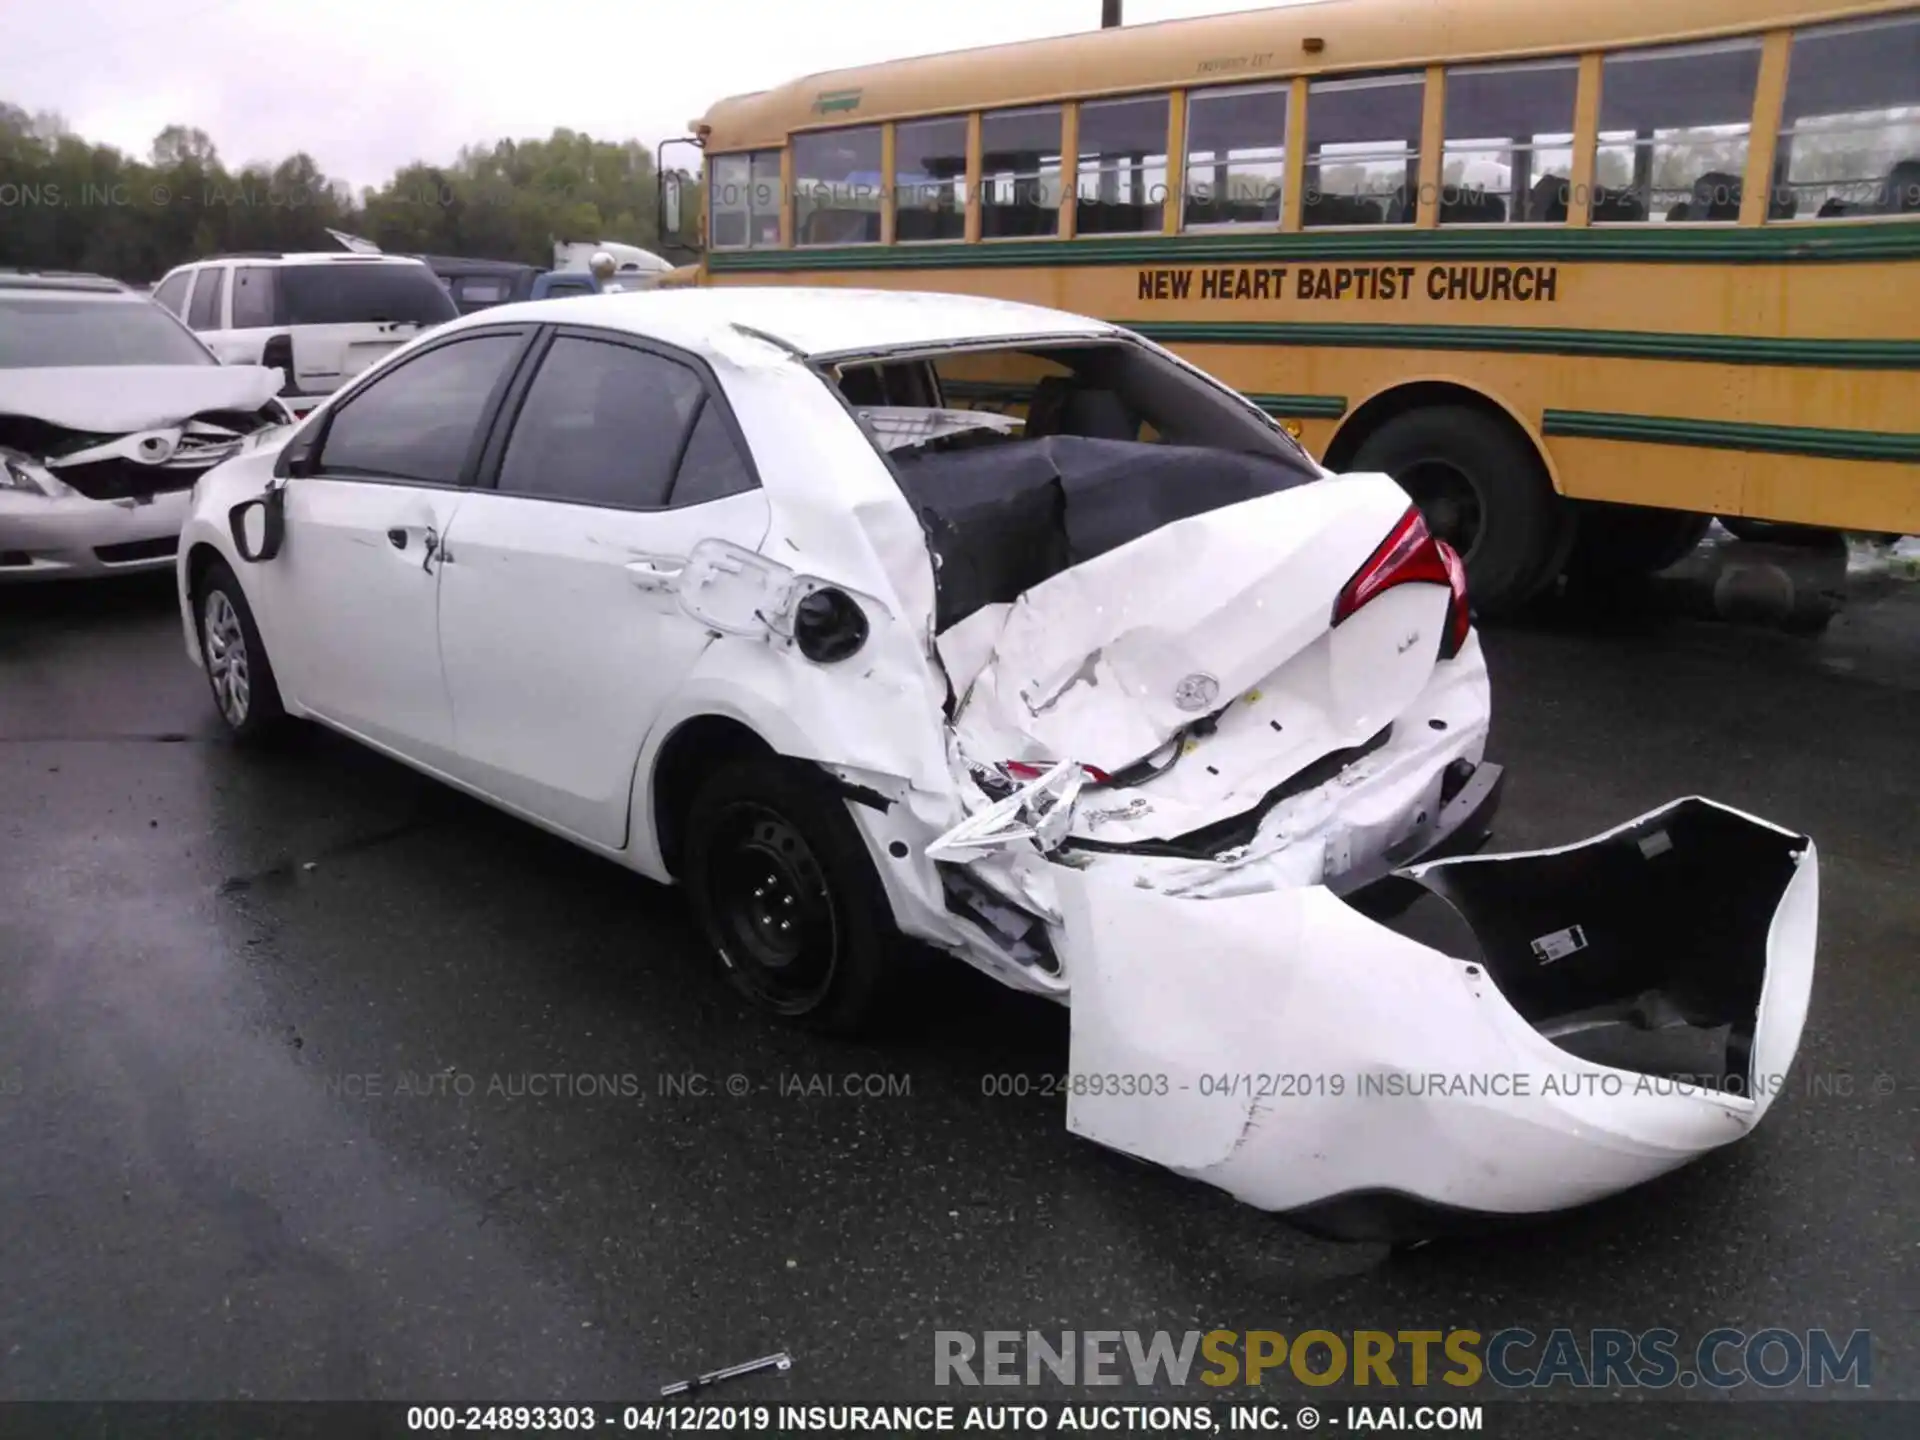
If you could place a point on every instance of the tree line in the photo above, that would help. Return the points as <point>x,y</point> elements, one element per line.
<point>67,203</point>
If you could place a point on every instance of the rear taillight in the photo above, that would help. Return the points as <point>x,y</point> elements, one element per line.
<point>1410,555</point>
<point>1026,772</point>
<point>277,354</point>
<point>1459,612</point>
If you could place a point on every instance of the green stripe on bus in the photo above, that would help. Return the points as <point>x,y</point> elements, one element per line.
<point>1305,407</point>
<point>1894,239</point>
<point>1732,435</point>
<point>1546,340</point>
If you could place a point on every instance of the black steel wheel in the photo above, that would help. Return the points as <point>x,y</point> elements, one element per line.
<point>787,897</point>
<point>775,913</point>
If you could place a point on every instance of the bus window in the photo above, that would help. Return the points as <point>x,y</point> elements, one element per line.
<point>1673,132</point>
<point>836,187</point>
<point>930,179</point>
<point>1020,172</point>
<point>1123,166</point>
<point>745,199</point>
<point>1850,130</point>
<point>1236,155</point>
<point>1363,167</point>
<point>1509,129</point>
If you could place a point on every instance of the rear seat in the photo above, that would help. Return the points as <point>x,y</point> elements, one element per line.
<point>1116,217</point>
<point>1340,210</point>
<point>916,223</point>
<point>1547,201</point>
<point>1207,211</point>
<point>1901,194</point>
<point>1617,207</point>
<point>1716,196</point>
<point>1471,207</point>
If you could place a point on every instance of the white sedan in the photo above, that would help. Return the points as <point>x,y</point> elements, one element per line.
<point>1113,693</point>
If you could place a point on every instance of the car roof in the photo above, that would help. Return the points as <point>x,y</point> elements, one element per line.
<point>814,322</point>
<point>463,265</point>
<point>301,257</point>
<point>61,280</point>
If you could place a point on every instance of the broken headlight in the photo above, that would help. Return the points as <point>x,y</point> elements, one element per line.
<point>17,472</point>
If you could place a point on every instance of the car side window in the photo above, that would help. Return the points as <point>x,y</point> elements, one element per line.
<point>602,424</point>
<point>252,297</point>
<point>205,311</point>
<point>172,291</point>
<point>713,466</point>
<point>420,420</point>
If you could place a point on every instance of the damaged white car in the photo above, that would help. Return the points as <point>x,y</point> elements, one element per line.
<point>110,409</point>
<point>1120,698</point>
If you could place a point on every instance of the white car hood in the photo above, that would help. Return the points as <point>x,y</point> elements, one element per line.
<point>110,399</point>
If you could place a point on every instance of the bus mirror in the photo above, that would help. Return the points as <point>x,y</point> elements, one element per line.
<point>670,206</point>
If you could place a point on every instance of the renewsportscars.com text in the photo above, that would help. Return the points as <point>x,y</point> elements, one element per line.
<point>1512,1358</point>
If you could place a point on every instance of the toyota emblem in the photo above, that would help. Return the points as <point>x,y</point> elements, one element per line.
<point>1196,692</point>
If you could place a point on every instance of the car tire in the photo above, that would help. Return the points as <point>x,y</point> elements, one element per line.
<point>769,845</point>
<point>1618,542</point>
<point>1482,488</point>
<point>238,671</point>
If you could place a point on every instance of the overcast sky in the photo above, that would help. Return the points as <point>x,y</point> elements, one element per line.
<point>365,86</point>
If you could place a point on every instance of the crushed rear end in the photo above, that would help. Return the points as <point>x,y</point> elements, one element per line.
<point>1205,769</point>
<point>1217,726</point>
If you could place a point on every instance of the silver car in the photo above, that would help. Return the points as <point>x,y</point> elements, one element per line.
<point>110,410</point>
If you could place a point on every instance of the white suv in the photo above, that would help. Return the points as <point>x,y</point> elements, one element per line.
<point>318,318</point>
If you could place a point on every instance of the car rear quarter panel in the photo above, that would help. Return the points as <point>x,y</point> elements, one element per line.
<point>837,515</point>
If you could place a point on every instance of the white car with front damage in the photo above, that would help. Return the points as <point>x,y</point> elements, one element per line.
<point>110,410</point>
<point>1121,699</point>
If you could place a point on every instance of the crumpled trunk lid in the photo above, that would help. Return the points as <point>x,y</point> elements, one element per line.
<point>1216,629</point>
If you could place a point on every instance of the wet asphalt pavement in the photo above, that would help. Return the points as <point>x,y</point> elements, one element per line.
<point>278,1033</point>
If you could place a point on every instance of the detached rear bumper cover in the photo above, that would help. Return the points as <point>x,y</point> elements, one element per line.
<point>1318,1063</point>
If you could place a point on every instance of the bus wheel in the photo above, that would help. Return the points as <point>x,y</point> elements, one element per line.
<point>1618,542</point>
<point>1484,491</point>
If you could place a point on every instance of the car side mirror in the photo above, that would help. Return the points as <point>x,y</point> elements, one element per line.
<point>301,455</point>
<point>259,526</point>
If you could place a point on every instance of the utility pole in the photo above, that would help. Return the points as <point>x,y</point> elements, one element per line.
<point>1109,14</point>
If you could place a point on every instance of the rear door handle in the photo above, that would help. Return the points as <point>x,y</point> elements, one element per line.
<point>654,574</point>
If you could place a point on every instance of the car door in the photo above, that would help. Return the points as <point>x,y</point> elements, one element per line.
<point>560,630</point>
<point>354,588</point>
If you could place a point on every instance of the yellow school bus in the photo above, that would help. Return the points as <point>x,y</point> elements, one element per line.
<point>1578,275</point>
